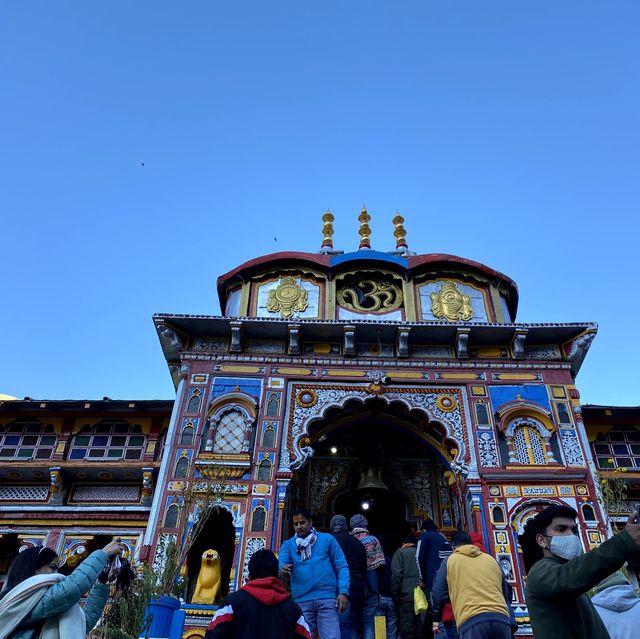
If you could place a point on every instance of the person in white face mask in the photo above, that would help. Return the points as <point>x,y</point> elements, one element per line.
<point>560,573</point>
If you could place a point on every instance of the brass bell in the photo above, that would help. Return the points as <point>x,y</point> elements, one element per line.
<point>371,479</point>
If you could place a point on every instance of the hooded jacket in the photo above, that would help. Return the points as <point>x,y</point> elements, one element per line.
<point>619,609</point>
<point>475,585</point>
<point>432,548</point>
<point>261,609</point>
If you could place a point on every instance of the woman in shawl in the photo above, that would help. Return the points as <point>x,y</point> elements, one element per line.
<point>37,601</point>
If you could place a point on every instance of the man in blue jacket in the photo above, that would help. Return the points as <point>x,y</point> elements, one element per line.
<point>319,575</point>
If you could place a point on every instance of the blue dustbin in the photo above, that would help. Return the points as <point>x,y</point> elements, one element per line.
<point>177,625</point>
<point>161,612</point>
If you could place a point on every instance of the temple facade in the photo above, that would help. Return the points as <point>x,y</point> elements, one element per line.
<point>392,384</point>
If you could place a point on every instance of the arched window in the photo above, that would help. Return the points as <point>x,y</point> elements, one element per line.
<point>27,439</point>
<point>230,432</point>
<point>528,446</point>
<point>264,470</point>
<point>171,517</point>
<point>588,513</point>
<point>194,401</point>
<point>182,467</point>
<point>269,437</point>
<point>110,439</point>
<point>497,514</point>
<point>273,405</point>
<point>258,519</point>
<point>186,438</point>
<point>482,414</point>
<point>563,413</point>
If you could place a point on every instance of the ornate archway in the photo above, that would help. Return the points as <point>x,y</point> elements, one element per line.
<point>310,403</point>
<point>384,453</point>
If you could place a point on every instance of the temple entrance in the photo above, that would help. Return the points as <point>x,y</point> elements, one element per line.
<point>383,461</point>
<point>217,534</point>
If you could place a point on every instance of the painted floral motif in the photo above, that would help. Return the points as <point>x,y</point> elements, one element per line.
<point>253,545</point>
<point>571,447</point>
<point>488,450</point>
<point>415,478</point>
<point>324,475</point>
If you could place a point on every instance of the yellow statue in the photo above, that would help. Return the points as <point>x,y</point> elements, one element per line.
<point>208,585</point>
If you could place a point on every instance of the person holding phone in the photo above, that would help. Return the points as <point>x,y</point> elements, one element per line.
<point>560,574</point>
<point>37,601</point>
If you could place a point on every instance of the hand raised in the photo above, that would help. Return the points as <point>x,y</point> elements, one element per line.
<point>114,548</point>
<point>633,526</point>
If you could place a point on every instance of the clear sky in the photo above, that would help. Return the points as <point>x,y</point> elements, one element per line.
<point>147,147</point>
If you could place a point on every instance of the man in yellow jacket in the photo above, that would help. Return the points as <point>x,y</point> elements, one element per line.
<point>476,587</point>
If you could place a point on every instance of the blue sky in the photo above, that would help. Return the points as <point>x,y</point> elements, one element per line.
<point>505,132</point>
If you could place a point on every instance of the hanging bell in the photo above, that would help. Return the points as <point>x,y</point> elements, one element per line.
<point>371,479</point>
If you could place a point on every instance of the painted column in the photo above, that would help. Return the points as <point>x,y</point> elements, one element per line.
<point>154,515</point>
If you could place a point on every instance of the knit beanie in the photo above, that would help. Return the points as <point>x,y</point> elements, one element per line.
<point>358,521</point>
<point>338,524</point>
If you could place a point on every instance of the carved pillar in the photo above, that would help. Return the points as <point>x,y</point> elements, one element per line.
<point>56,489</point>
<point>147,486</point>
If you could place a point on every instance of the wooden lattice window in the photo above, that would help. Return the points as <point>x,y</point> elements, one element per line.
<point>230,432</point>
<point>619,448</point>
<point>528,446</point>
<point>27,439</point>
<point>110,440</point>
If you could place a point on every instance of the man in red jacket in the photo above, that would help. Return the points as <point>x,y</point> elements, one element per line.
<point>262,608</point>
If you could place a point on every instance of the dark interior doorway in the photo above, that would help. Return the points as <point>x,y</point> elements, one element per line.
<point>218,533</point>
<point>369,440</point>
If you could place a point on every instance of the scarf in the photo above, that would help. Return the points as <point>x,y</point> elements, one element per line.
<point>304,544</point>
<point>17,605</point>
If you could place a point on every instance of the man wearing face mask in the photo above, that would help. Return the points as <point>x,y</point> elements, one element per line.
<point>560,574</point>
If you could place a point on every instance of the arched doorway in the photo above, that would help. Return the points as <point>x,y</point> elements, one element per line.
<point>383,461</point>
<point>218,534</point>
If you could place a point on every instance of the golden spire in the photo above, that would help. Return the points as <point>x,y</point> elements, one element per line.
<point>365,229</point>
<point>400,233</point>
<point>327,232</point>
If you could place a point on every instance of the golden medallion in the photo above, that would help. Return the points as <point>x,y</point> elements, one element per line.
<point>450,304</point>
<point>288,297</point>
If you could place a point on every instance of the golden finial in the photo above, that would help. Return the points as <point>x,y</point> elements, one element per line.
<point>400,233</point>
<point>365,230</point>
<point>327,232</point>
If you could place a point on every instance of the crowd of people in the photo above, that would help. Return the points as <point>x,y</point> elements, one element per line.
<point>344,586</point>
